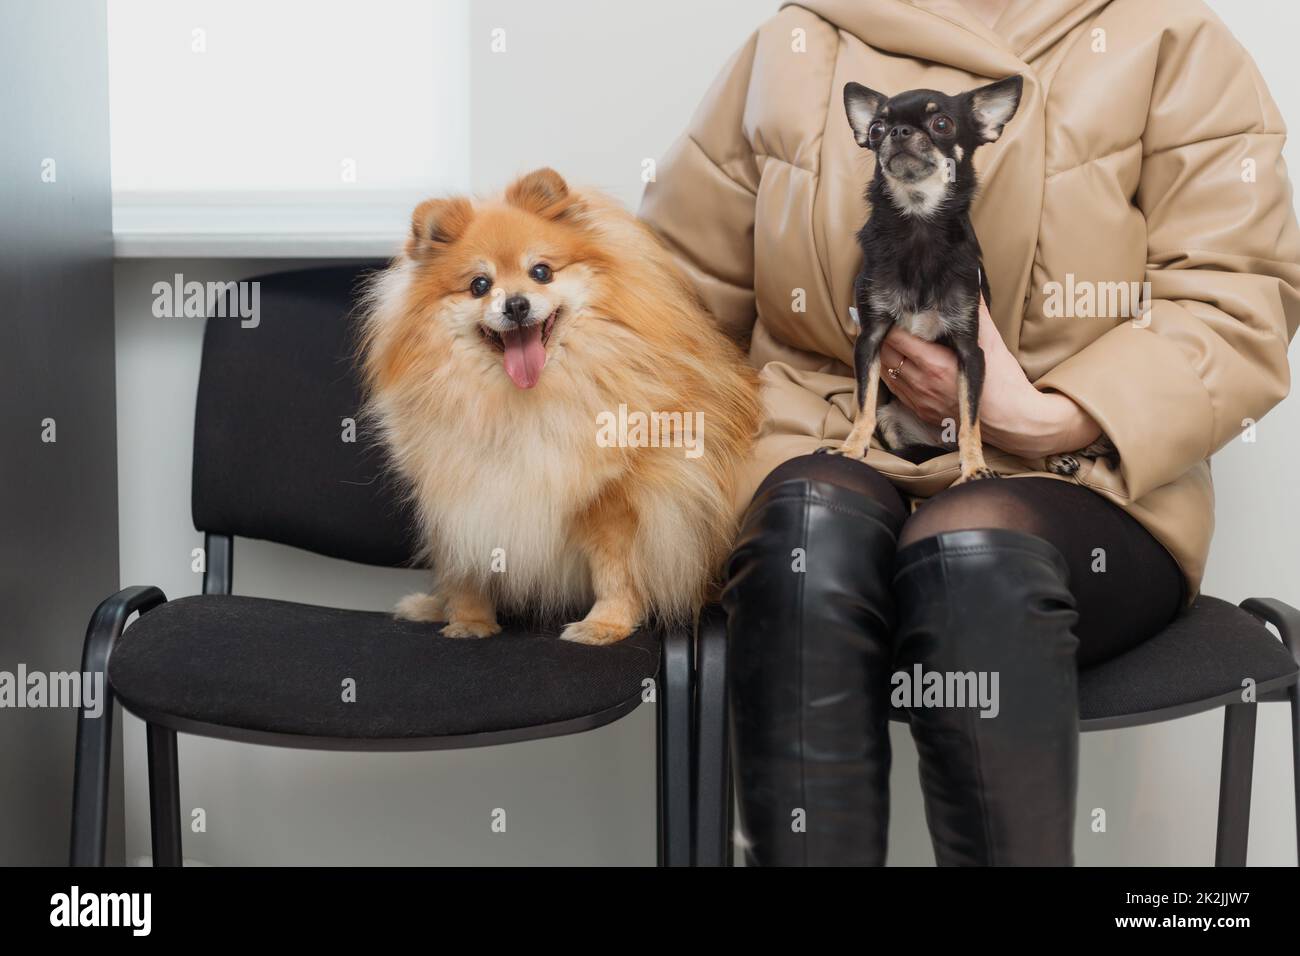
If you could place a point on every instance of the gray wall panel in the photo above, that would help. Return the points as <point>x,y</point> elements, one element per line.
<point>58,501</point>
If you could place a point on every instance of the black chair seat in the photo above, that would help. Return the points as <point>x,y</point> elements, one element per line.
<point>1196,663</point>
<point>1201,657</point>
<point>273,672</point>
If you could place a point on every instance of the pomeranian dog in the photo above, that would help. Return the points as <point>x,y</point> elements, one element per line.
<point>568,418</point>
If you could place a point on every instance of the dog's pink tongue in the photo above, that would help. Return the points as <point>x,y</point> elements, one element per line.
<point>525,355</point>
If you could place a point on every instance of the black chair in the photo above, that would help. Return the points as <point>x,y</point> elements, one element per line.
<point>271,461</point>
<point>1209,657</point>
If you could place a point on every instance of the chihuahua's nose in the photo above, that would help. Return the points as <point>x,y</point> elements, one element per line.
<point>516,309</point>
<point>903,131</point>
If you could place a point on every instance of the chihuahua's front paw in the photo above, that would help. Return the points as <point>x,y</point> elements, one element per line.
<point>471,629</point>
<point>595,633</point>
<point>420,607</point>
<point>847,450</point>
<point>979,474</point>
<point>1062,464</point>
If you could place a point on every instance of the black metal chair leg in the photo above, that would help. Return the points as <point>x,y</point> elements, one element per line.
<point>729,849</point>
<point>94,755</point>
<point>1235,784</point>
<point>164,796</point>
<point>713,771</point>
<point>1294,694</point>
<point>673,708</point>
<point>94,758</point>
<point>1286,619</point>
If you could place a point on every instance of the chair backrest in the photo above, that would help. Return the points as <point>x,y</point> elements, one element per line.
<point>272,455</point>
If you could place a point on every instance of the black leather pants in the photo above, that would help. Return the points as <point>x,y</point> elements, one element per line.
<point>823,611</point>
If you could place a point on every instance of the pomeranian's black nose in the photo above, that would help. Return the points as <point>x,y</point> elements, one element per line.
<point>903,131</point>
<point>516,309</point>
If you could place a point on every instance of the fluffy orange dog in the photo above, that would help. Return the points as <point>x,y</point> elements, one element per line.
<point>565,412</point>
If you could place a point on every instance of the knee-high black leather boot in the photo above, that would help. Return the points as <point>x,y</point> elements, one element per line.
<point>809,621</point>
<point>999,790</point>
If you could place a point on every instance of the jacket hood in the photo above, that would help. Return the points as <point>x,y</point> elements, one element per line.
<point>943,30</point>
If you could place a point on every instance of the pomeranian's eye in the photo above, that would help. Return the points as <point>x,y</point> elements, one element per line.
<point>479,286</point>
<point>875,131</point>
<point>540,273</point>
<point>942,125</point>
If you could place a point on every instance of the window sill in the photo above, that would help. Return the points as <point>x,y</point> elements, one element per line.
<point>336,225</point>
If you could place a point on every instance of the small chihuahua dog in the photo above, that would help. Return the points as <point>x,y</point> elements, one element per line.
<point>921,264</point>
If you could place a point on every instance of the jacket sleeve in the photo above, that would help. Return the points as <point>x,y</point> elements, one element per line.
<point>701,201</point>
<point>1178,383</point>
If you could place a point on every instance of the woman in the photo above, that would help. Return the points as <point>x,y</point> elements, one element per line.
<point>1145,150</point>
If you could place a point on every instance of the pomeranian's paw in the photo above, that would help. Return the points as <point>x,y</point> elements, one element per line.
<point>595,633</point>
<point>471,629</point>
<point>1062,464</point>
<point>979,474</point>
<point>420,607</point>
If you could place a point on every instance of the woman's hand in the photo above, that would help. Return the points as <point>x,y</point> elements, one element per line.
<point>1014,416</point>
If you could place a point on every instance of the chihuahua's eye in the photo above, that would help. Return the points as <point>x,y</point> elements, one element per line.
<point>875,131</point>
<point>540,273</point>
<point>479,286</point>
<point>941,125</point>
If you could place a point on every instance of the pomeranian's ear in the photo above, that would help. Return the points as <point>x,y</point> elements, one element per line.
<point>543,192</point>
<point>862,105</point>
<point>437,223</point>
<point>994,105</point>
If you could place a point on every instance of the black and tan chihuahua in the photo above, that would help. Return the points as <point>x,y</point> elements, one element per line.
<point>921,264</point>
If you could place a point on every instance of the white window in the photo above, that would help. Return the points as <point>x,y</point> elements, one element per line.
<point>283,127</point>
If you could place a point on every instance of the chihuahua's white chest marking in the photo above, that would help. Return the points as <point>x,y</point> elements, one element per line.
<point>921,198</point>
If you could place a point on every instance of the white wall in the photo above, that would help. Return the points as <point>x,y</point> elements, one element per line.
<point>592,88</point>
<point>621,80</point>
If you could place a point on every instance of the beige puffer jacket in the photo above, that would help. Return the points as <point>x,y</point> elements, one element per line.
<point>1146,149</point>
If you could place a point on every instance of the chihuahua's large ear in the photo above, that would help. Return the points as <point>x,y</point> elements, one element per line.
<point>436,223</point>
<point>862,105</point>
<point>543,192</point>
<point>995,104</point>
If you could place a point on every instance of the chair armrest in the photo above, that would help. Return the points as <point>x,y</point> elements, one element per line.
<point>108,621</point>
<point>95,734</point>
<point>1282,616</point>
